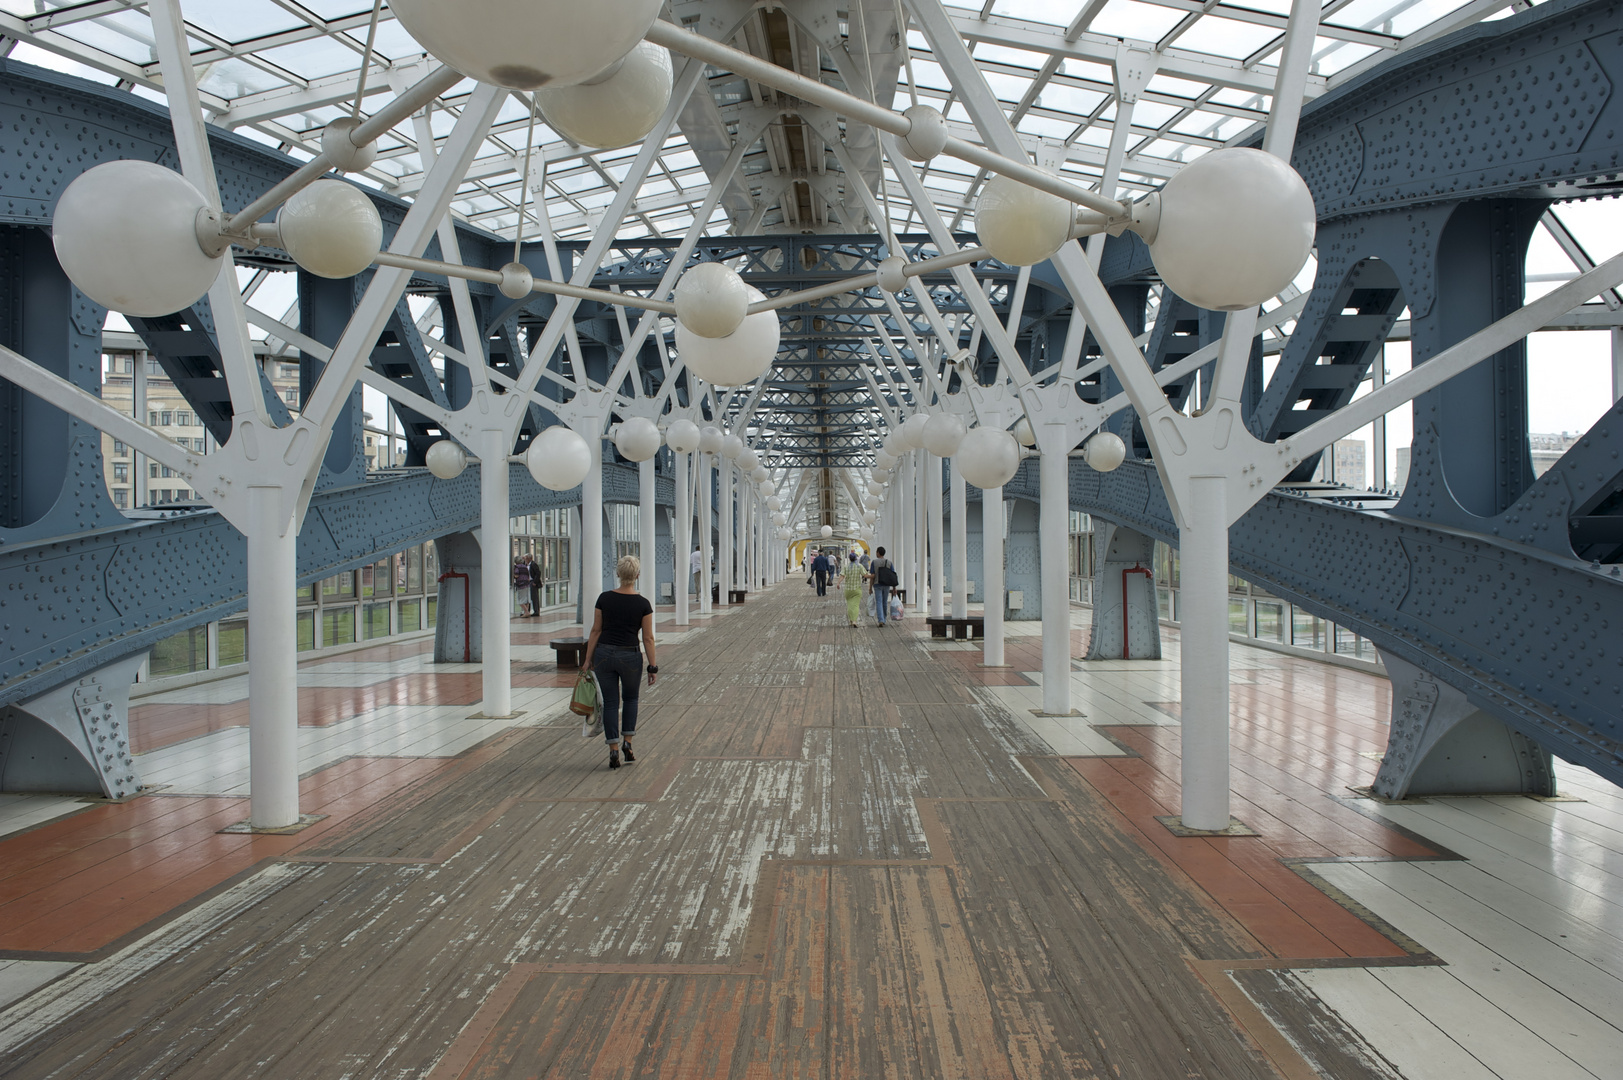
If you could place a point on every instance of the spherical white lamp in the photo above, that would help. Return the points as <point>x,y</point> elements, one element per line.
<point>126,234</point>
<point>342,150</point>
<point>774,503</point>
<point>738,358</point>
<point>988,457</point>
<point>637,439</point>
<point>913,431</point>
<point>331,229</point>
<point>1105,451</point>
<point>894,446</point>
<point>558,458</point>
<point>525,44</point>
<point>761,474</point>
<point>869,517</point>
<point>446,460</point>
<point>826,531</point>
<point>779,518</point>
<point>748,460</point>
<point>1236,226</point>
<point>876,489</point>
<point>943,433</point>
<point>1023,432</point>
<point>710,440</point>
<point>682,436</point>
<point>616,110</point>
<point>764,488</point>
<point>884,460</point>
<point>731,447</point>
<point>711,299</point>
<point>1019,224</point>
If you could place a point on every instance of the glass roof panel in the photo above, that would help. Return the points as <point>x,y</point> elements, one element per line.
<point>1131,19</point>
<point>238,21</point>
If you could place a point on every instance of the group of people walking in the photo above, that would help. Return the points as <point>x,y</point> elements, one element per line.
<point>876,574</point>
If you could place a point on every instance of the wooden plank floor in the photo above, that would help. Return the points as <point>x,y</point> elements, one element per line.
<point>842,853</point>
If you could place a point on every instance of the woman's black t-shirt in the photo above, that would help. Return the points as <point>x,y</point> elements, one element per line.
<point>622,618</point>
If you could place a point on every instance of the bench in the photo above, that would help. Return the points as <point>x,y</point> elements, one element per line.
<point>570,651</point>
<point>945,626</point>
<point>736,596</point>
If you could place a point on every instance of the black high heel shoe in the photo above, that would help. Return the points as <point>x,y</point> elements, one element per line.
<point>625,748</point>
<point>614,757</point>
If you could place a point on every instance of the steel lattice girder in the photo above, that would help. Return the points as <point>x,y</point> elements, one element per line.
<point>1528,636</point>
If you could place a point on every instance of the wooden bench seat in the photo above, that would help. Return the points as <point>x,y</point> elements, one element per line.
<point>945,626</point>
<point>570,651</point>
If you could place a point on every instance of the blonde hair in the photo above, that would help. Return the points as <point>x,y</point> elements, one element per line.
<point>628,569</point>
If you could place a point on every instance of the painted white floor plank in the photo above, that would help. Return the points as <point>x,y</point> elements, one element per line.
<point>19,978</point>
<point>1405,1037</point>
<point>20,811</point>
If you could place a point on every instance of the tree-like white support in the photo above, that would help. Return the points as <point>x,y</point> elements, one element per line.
<point>1053,528</point>
<point>681,541</point>
<point>992,572</point>
<point>921,532</point>
<point>495,527</point>
<point>1203,612</point>
<point>273,677</point>
<point>593,577</point>
<point>706,543</point>
<point>648,586</point>
<point>724,529</point>
<point>960,544</point>
<point>938,563</point>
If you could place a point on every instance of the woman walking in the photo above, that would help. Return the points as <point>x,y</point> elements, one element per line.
<point>853,577</point>
<point>611,652</point>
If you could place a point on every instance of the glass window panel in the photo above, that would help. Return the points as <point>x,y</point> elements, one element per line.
<point>377,621</point>
<point>1236,616</point>
<point>233,648</point>
<point>1270,621</point>
<point>414,569</point>
<point>383,577</point>
<point>181,653</point>
<point>337,626</point>
<point>306,632</point>
<point>1307,630</point>
<point>411,615</point>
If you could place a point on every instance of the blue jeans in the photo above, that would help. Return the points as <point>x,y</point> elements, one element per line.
<point>881,603</point>
<point>619,681</point>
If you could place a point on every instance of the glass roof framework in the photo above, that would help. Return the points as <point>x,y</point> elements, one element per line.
<point>279,70</point>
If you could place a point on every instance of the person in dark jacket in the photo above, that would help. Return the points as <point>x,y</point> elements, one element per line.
<point>821,568</point>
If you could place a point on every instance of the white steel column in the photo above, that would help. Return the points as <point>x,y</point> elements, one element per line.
<point>591,530</point>
<point>681,540</point>
<point>960,544</point>
<point>1053,527</point>
<point>706,545</point>
<point>1617,363</point>
<point>724,528</point>
<point>921,532</point>
<point>273,676</point>
<point>649,585</point>
<point>938,563</point>
<point>992,571</point>
<point>495,584</point>
<point>1203,548</point>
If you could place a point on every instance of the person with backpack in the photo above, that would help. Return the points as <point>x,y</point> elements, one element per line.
<point>521,585</point>
<point>882,572</point>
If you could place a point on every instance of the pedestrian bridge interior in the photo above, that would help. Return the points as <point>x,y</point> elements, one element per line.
<point>1234,389</point>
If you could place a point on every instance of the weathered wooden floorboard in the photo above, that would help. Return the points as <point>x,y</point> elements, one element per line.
<point>827,862</point>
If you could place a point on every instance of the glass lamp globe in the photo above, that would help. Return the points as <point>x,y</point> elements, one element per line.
<point>876,489</point>
<point>446,460</point>
<point>710,440</point>
<point>637,439</point>
<point>125,233</point>
<point>526,44</point>
<point>884,460</point>
<point>943,433</point>
<point>738,358</point>
<point>774,503</point>
<point>1236,226</point>
<point>869,517</point>
<point>894,446</point>
<point>711,299</point>
<point>748,460</point>
<point>826,531</point>
<point>913,431</point>
<point>761,475</point>
<point>615,110</point>
<point>1105,451</point>
<point>1023,433</point>
<point>682,436</point>
<point>764,487</point>
<point>988,457</point>
<point>1019,224</point>
<point>331,229</point>
<point>731,447</point>
<point>558,458</point>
